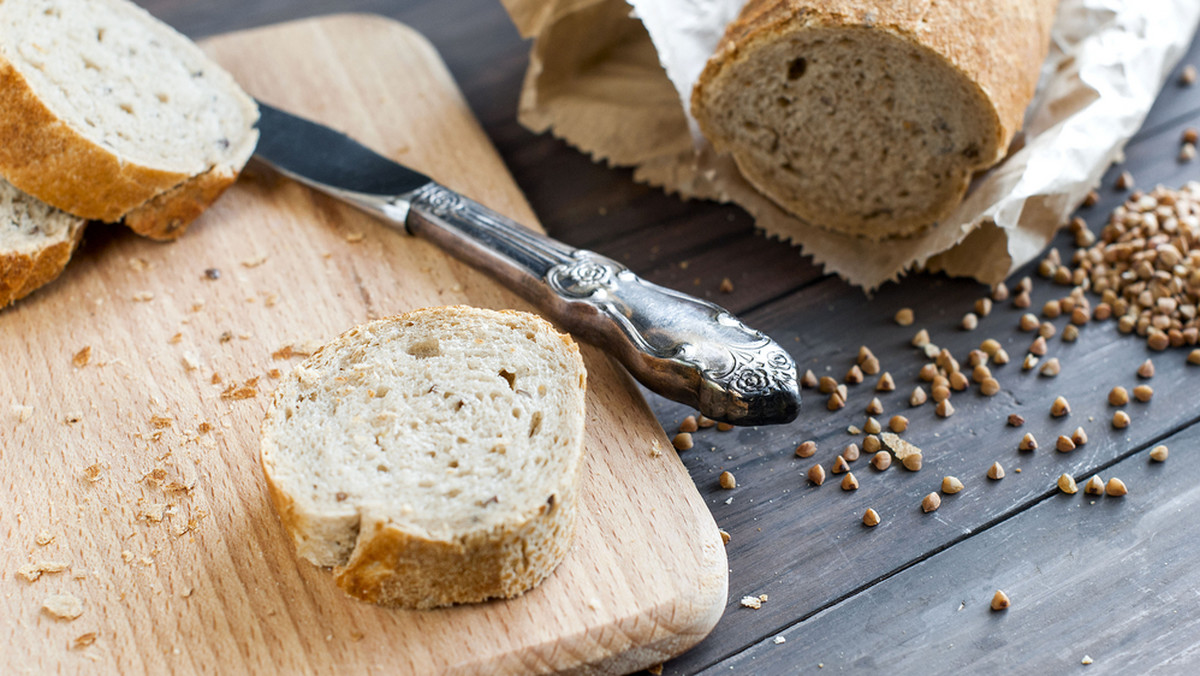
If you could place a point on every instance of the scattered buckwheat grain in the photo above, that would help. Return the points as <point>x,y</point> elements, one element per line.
<point>881,460</point>
<point>727,480</point>
<point>1066,484</point>
<point>1079,436</point>
<point>1146,370</point>
<point>874,407</point>
<point>806,449</point>
<point>1158,453</point>
<point>816,474</point>
<point>849,483</point>
<point>850,453</point>
<point>1000,601</point>
<point>951,485</point>
<point>1051,367</point>
<point>1060,407</point>
<point>885,384</point>
<point>1115,487</point>
<point>995,472</point>
<point>870,518</point>
<point>931,502</point>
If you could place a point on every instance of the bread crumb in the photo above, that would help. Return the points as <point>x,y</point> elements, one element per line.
<point>158,422</point>
<point>1087,659</point>
<point>22,412</point>
<point>190,361</point>
<point>726,286</point>
<point>355,237</point>
<point>32,571</point>
<point>254,262</point>
<point>92,472</point>
<point>143,296</point>
<point>82,357</point>
<point>752,602</point>
<point>151,513</point>
<point>779,640</point>
<point>296,349</point>
<point>127,556</point>
<point>655,669</point>
<point>85,640</point>
<point>63,606</point>
<point>43,538</point>
<point>247,390</point>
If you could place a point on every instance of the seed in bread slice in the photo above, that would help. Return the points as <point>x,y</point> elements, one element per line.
<point>870,117</point>
<point>109,114</point>
<point>36,241</point>
<point>433,457</point>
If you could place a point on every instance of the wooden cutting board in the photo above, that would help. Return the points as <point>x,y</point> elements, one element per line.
<point>131,392</point>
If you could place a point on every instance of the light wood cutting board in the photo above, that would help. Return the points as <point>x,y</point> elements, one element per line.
<point>131,392</point>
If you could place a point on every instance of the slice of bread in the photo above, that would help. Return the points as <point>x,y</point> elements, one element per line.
<point>109,114</point>
<point>870,117</point>
<point>36,241</point>
<point>433,457</point>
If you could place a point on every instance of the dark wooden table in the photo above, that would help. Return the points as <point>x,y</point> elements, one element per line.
<point>1110,578</point>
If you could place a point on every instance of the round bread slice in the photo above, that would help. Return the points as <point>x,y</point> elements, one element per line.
<point>870,117</point>
<point>36,241</point>
<point>109,114</point>
<point>432,458</point>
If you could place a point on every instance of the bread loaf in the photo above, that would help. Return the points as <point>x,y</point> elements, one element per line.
<point>869,117</point>
<point>36,241</point>
<point>432,458</point>
<point>109,114</point>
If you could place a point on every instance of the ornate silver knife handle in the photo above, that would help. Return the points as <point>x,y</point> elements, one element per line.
<point>681,347</point>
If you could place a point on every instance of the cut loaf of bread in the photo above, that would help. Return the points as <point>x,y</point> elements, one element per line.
<point>109,114</point>
<point>36,241</point>
<point>869,117</point>
<point>433,457</point>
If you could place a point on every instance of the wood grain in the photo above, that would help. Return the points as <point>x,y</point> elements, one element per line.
<point>141,460</point>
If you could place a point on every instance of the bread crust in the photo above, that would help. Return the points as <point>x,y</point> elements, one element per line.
<point>51,161</point>
<point>47,157</point>
<point>22,273</point>
<point>989,42</point>
<point>378,561</point>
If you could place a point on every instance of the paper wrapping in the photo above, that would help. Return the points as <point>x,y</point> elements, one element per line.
<point>614,78</point>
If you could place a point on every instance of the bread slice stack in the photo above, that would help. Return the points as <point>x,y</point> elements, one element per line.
<point>869,117</point>
<point>108,114</point>
<point>431,458</point>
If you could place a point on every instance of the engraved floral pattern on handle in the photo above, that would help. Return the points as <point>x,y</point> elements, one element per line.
<point>740,370</point>
<point>439,200</point>
<point>583,276</point>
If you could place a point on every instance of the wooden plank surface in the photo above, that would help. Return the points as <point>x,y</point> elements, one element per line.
<point>1107,578</point>
<point>801,536</point>
<point>139,463</point>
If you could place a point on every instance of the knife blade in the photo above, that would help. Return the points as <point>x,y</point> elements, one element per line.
<point>684,348</point>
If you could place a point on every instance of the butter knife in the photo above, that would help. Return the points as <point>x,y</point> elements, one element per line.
<point>684,348</point>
